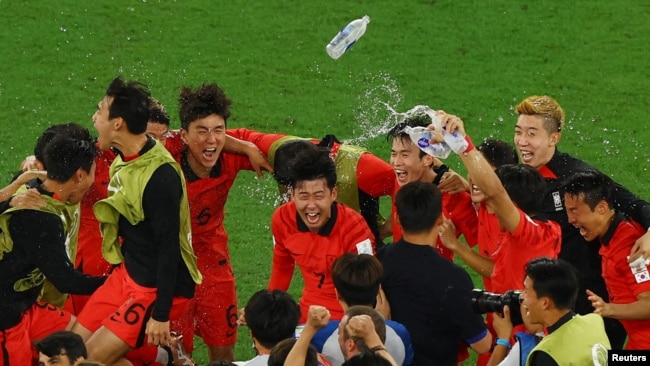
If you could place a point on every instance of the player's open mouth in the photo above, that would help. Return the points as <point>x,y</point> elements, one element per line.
<point>312,218</point>
<point>475,189</point>
<point>209,153</point>
<point>526,156</point>
<point>401,175</point>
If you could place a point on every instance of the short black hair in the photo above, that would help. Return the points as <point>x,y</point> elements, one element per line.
<point>398,132</point>
<point>284,159</point>
<point>130,101</point>
<point>525,186</point>
<point>593,185</point>
<point>366,359</point>
<point>63,343</point>
<point>553,278</point>
<point>157,113</point>
<point>498,152</point>
<point>71,129</point>
<point>357,278</point>
<point>271,316</point>
<point>64,156</point>
<point>418,206</point>
<point>281,350</point>
<point>313,164</point>
<point>205,100</point>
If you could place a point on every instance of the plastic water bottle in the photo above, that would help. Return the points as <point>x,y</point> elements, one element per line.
<point>347,37</point>
<point>421,137</point>
<point>455,141</point>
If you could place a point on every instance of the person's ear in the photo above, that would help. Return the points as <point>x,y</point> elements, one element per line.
<point>335,192</point>
<point>555,138</point>
<point>183,134</point>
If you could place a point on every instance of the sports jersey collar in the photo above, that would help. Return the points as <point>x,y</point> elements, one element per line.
<point>565,318</point>
<point>190,176</point>
<point>547,169</point>
<point>147,146</point>
<point>618,218</point>
<point>326,230</point>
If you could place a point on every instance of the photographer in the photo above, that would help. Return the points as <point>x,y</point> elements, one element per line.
<point>550,292</point>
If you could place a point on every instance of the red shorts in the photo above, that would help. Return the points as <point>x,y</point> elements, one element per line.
<point>37,322</point>
<point>124,307</point>
<point>212,314</point>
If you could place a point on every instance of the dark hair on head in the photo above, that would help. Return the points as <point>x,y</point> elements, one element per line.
<point>63,342</point>
<point>366,359</point>
<point>157,113</point>
<point>64,156</point>
<point>377,320</point>
<point>418,206</point>
<point>71,130</point>
<point>271,316</point>
<point>313,164</point>
<point>592,185</point>
<point>525,186</point>
<point>553,278</point>
<point>498,152</point>
<point>284,159</point>
<point>130,101</point>
<point>221,363</point>
<point>356,278</point>
<point>281,350</point>
<point>202,102</point>
<point>397,131</point>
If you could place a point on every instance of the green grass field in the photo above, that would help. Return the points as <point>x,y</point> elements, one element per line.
<point>473,58</point>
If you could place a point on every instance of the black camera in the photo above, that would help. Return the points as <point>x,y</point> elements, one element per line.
<point>488,302</point>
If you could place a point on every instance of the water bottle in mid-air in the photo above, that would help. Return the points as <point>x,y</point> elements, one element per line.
<point>347,37</point>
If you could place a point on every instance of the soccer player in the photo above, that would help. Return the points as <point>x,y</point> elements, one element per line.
<point>62,348</point>
<point>362,178</point>
<point>312,230</point>
<point>538,130</point>
<point>33,246</point>
<point>588,199</point>
<point>147,207</point>
<point>210,173</point>
<point>410,164</point>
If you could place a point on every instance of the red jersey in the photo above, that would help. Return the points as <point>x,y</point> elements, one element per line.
<point>456,207</point>
<point>207,199</point>
<point>346,231</point>
<point>489,237</point>
<point>622,285</point>
<point>532,239</point>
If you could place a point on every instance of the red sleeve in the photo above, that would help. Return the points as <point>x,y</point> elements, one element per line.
<point>173,143</point>
<point>283,264</point>
<point>356,232</point>
<point>263,141</point>
<point>375,176</point>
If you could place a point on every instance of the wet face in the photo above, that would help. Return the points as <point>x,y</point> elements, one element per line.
<point>344,342</point>
<point>406,162</point>
<point>204,138</point>
<point>534,144</point>
<point>158,131</point>
<point>84,181</point>
<point>531,304</point>
<point>592,224</point>
<point>58,360</point>
<point>313,201</point>
<point>103,124</point>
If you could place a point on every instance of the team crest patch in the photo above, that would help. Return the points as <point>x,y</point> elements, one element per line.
<point>557,201</point>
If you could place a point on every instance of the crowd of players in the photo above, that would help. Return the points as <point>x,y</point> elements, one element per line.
<point>120,240</point>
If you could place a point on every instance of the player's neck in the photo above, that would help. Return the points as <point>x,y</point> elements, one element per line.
<point>428,238</point>
<point>129,144</point>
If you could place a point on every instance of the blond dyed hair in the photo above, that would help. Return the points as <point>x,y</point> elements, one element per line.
<point>545,107</point>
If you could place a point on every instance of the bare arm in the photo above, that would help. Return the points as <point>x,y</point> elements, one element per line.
<point>482,265</point>
<point>257,158</point>
<point>638,310</point>
<point>317,318</point>
<point>486,179</point>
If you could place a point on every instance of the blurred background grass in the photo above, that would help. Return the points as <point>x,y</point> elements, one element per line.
<point>474,58</point>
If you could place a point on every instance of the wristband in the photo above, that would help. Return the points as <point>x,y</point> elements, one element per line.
<point>470,145</point>
<point>503,342</point>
